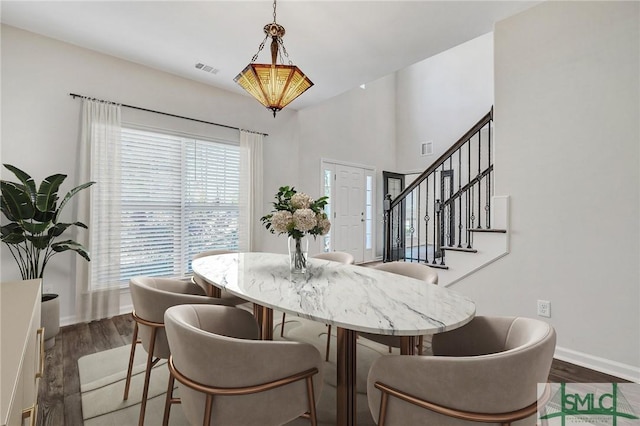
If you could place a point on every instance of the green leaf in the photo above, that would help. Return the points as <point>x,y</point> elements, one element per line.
<point>57,229</point>
<point>35,227</point>
<point>47,216</point>
<point>5,210</point>
<point>16,201</point>
<point>71,245</point>
<point>48,192</point>
<point>26,180</point>
<point>67,197</point>
<point>40,242</point>
<point>12,233</point>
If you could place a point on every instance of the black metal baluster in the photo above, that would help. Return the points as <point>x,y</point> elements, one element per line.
<point>479,179</point>
<point>436,245</point>
<point>490,163</point>
<point>472,196</point>
<point>467,196</point>
<point>394,242</point>
<point>442,221</point>
<point>486,205</point>
<point>459,197</point>
<point>392,233</point>
<point>418,221</point>
<point>411,228</point>
<point>426,220</point>
<point>436,219</point>
<point>386,204</point>
<point>399,227</point>
<point>470,201</point>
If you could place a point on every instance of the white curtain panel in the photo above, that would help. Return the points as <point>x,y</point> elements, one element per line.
<point>98,294</point>
<point>250,188</point>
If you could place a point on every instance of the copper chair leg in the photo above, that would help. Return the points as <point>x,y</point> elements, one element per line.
<point>282,325</point>
<point>313,418</point>
<point>420,345</point>
<point>384,399</point>
<point>168,401</point>
<point>134,343</point>
<point>147,375</point>
<point>326,357</point>
<point>207,410</point>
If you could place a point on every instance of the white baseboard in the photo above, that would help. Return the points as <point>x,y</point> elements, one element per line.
<point>613,368</point>
<point>71,319</point>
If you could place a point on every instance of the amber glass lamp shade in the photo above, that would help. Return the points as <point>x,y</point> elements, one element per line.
<point>274,86</point>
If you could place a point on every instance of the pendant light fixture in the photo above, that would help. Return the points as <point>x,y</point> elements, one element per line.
<point>273,85</point>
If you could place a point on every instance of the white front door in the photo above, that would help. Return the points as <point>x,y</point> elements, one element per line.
<point>351,209</point>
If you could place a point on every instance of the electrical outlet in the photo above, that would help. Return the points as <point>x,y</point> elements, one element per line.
<point>544,308</point>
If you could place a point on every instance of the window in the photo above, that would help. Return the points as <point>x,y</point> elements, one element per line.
<point>368,216</point>
<point>327,179</point>
<point>179,197</point>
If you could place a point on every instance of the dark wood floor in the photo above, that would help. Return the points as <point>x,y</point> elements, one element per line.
<point>59,393</point>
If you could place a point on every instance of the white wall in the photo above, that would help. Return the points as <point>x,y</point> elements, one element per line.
<point>382,125</point>
<point>567,152</point>
<point>40,121</point>
<point>356,127</point>
<point>440,98</point>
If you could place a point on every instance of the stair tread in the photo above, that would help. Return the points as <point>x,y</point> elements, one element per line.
<point>428,263</point>
<point>462,249</point>
<point>498,231</point>
<point>437,265</point>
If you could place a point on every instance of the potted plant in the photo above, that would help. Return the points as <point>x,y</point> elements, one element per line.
<point>297,214</point>
<point>33,231</point>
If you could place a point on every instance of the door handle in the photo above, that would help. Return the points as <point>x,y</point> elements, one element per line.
<point>40,371</point>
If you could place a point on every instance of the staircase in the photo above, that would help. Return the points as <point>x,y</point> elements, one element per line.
<point>448,217</point>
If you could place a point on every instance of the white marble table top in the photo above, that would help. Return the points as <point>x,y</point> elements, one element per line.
<point>349,296</point>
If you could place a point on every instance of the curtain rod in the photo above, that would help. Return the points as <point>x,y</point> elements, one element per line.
<point>73,95</point>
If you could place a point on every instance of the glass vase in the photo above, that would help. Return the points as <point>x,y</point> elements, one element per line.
<point>298,250</point>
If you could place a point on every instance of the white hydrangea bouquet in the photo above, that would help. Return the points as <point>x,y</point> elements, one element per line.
<point>296,214</point>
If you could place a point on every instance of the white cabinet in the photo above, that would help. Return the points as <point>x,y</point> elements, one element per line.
<point>21,351</point>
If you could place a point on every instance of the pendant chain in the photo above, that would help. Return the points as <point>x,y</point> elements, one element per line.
<point>274,11</point>
<point>278,39</point>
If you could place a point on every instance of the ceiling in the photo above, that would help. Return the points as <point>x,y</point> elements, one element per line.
<point>339,45</point>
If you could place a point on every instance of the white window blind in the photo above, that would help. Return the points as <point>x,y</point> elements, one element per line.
<point>179,197</point>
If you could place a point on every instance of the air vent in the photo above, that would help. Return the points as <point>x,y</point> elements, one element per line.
<point>207,68</point>
<point>426,148</point>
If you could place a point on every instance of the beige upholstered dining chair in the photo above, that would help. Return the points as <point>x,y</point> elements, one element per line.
<point>486,371</point>
<point>228,378</point>
<point>151,297</point>
<point>334,256</point>
<point>212,290</point>
<point>419,271</point>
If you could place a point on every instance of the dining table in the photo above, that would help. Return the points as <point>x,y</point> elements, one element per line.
<point>352,298</point>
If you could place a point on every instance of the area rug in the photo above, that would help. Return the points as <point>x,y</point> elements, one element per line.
<point>102,377</point>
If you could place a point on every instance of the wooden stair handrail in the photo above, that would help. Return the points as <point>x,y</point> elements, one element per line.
<point>475,129</point>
